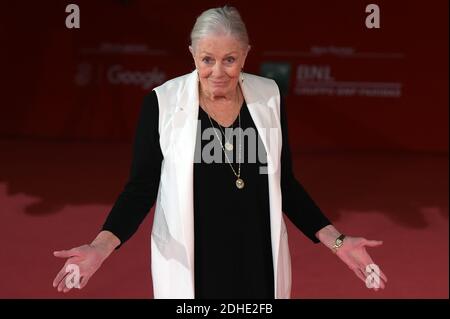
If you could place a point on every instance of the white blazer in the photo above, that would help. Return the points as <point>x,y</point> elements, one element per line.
<point>172,239</point>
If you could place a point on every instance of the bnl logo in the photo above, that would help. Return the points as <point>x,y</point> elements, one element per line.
<point>307,72</point>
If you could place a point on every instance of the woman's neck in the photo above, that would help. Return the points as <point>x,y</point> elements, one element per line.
<point>227,99</point>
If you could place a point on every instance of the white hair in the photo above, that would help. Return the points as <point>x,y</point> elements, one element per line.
<point>223,20</point>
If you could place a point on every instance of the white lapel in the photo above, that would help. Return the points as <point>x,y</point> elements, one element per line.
<point>184,137</point>
<point>268,125</point>
<point>265,119</point>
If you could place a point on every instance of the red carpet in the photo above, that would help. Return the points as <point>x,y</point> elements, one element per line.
<point>56,195</point>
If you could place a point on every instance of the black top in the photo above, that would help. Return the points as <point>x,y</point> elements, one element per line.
<point>232,252</point>
<point>233,255</point>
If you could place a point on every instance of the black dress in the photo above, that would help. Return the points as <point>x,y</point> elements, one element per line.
<point>233,254</point>
<point>232,245</point>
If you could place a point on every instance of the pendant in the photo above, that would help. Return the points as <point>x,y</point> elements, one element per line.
<point>239,183</point>
<point>229,146</point>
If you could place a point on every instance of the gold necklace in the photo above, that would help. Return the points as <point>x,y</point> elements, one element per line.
<point>239,181</point>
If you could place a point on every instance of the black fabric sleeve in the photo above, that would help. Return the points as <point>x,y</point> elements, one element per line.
<point>140,192</point>
<point>296,202</point>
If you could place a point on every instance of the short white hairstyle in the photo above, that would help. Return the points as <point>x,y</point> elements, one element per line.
<point>217,21</point>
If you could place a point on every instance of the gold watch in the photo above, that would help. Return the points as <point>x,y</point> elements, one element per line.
<point>338,242</point>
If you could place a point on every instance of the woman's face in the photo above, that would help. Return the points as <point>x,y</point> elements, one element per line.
<point>219,60</point>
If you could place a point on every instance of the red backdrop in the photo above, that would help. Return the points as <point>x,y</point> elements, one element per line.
<point>349,88</point>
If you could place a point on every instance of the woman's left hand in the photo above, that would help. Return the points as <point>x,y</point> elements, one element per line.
<point>353,253</point>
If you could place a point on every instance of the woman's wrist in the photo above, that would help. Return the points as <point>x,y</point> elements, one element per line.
<point>106,241</point>
<point>327,236</point>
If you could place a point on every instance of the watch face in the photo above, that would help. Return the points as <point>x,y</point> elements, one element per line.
<point>339,242</point>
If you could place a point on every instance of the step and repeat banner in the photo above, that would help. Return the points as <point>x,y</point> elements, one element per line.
<point>355,75</point>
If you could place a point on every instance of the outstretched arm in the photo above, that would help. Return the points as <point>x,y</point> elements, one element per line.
<point>139,194</point>
<point>130,208</point>
<point>307,216</point>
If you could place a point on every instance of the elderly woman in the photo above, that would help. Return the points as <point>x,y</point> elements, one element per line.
<point>218,230</point>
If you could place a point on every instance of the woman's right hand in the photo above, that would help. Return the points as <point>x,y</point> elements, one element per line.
<point>87,259</point>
